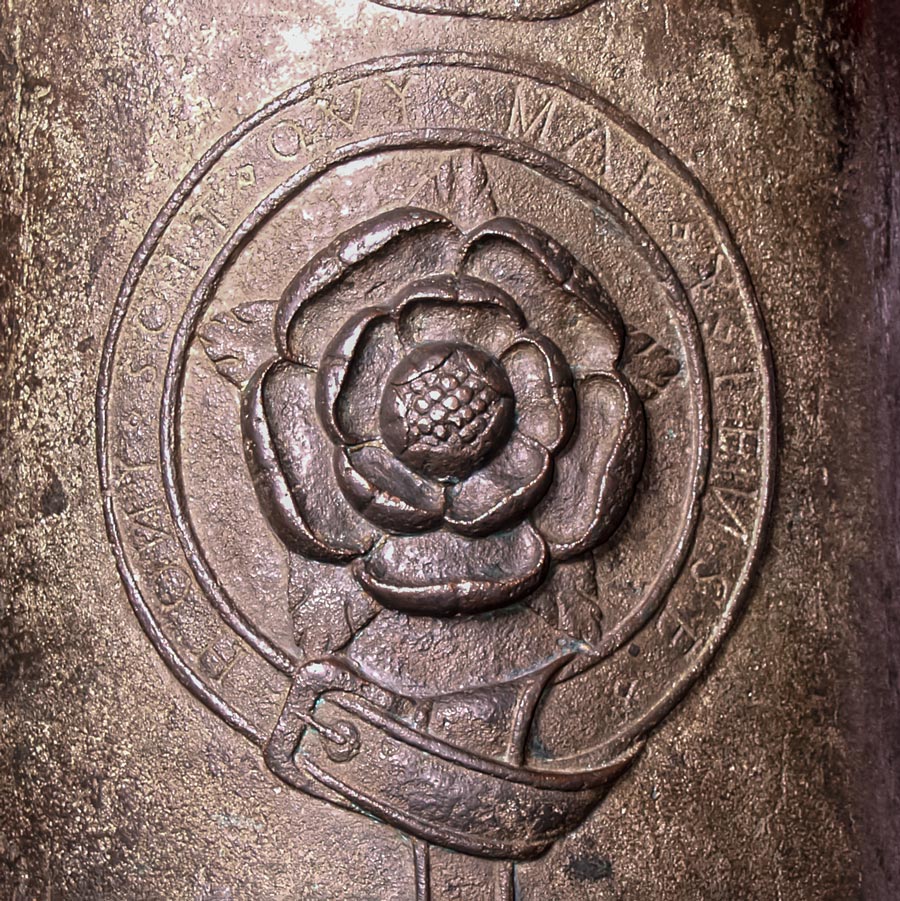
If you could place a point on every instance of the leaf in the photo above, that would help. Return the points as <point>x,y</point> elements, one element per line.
<point>327,605</point>
<point>461,189</point>
<point>649,366</point>
<point>240,340</point>
<point>568,602</point>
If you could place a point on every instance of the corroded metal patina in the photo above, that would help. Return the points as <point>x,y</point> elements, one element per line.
<point>438,428</point>
<point>462,374</point>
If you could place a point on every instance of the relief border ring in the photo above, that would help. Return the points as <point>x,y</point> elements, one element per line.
<point>443,139</point>
<point>171,656</point>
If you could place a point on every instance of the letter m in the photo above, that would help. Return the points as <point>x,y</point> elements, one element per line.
<point>528,123</point>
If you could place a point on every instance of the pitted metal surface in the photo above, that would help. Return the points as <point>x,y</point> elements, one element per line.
<point>494,410</point>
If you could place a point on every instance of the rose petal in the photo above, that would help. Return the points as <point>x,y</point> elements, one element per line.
<point>364,266</point>
<point>559,296</point>
<point>442,573</point>
<point>386,491</point>
<point>466,310</point>
<point>353,373</point>
<point>542,381</point>
<point>502,491</point>
<point>290,462</point>
<point>596,476</point>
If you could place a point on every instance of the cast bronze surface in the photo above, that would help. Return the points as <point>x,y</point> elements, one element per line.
<point>443,432</point>
<point>437,429</point>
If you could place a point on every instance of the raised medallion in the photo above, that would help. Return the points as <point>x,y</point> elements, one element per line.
<point>436,429</point>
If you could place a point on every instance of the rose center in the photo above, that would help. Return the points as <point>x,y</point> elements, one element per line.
<point>446,408</point>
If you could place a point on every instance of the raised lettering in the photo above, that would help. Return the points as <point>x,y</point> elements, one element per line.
<point>710,581</point>
<point>289,139</point>
<point>676,632</point>
<point>326,104</point>
<point>525,125</point>
<point>400,92</point>
<point>729,518</point>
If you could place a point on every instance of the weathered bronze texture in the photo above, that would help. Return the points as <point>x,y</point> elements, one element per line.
<point>407,401</point>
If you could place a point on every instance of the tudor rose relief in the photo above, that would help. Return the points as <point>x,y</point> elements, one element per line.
<point>417,422</point>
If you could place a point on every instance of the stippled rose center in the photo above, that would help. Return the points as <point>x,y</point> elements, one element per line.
<point>446,409</point>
